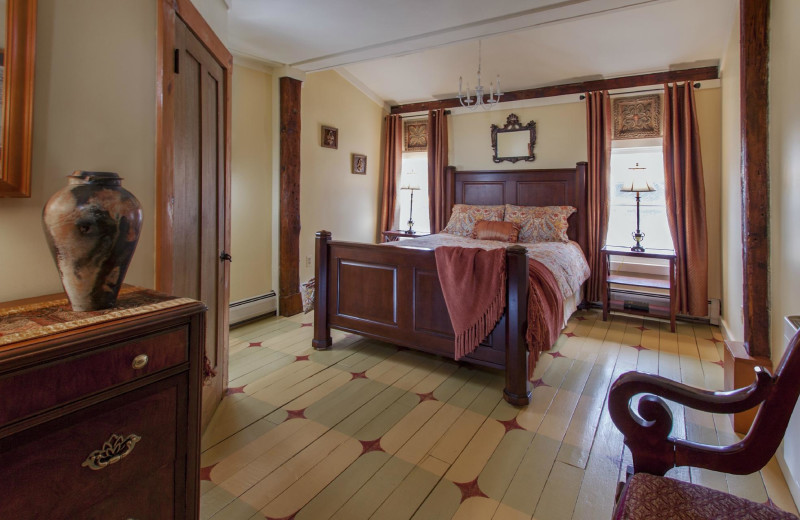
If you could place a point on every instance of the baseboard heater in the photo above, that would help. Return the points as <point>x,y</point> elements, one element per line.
<point>644,301</point>
<point>248,309</point>
<point>789,450</point>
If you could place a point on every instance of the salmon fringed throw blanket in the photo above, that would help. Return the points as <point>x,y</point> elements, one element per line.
<point>545,311</point>
<point>473,282</point>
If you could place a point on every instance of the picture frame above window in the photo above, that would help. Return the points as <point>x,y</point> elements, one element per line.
<point>415,135</point>
<point>330,137</point>
<point>637,117</point>
<point>359,164</point>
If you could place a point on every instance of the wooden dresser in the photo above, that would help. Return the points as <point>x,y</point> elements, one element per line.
<point>99,411</point>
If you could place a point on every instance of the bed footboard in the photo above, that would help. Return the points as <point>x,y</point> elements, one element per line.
<point>393,294</point>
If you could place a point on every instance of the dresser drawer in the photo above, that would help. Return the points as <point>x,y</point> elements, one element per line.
<point>46,471</point>
<point>57,383</point>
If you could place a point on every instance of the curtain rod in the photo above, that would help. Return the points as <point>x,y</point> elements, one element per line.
<point>583,96</point>
<point>446,112</point>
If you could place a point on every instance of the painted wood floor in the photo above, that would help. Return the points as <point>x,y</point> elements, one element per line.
<point>369,430</point>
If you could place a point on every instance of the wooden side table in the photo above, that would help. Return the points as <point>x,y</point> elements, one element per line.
<point>396,234</point>
<point>640,280</point>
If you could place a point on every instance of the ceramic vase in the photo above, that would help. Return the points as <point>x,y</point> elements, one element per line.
<point>92,227</point>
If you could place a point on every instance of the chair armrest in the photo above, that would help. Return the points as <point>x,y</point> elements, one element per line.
<point>647,432</point>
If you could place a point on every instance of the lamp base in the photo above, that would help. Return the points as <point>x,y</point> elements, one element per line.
<point>638,236</point>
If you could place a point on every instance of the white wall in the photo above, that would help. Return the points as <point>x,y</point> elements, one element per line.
<point>331,197</point>
<point>731,191</point>
<point>94,109</point>
<point>251,183</point>
<point>560,140</point>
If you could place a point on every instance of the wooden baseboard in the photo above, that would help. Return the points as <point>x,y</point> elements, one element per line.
<point>738,366</point>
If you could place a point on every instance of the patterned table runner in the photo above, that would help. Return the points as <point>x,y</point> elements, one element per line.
<point>42,319</point>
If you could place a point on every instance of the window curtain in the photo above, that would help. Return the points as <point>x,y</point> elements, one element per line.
<point>598,126</point>
<point>437,164</point>
<point>686,198</point>
<point>392,162</point>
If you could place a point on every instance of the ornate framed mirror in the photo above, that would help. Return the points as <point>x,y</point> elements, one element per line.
<point>514,141</point>
<point>16,80</point>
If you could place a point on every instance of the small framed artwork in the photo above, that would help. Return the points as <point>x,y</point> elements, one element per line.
<point>637,117</point>
<point>415,135</point>
<point>330,137</point>
<point>359,164</point>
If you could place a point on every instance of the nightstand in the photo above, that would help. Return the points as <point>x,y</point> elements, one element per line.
<point>396,234</point>
<point>650,281</point>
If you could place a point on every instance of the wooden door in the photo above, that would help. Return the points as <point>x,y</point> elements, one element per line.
<point>199,267</point>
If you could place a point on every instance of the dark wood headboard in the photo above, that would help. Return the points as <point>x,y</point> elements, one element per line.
<point>557,187</point>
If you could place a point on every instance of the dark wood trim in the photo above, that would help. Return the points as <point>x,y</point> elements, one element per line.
<point>322,331</point>
<point>641,80</point>
<point>754,56</point>
<point>17,139</point>
<point>289,300</point>
<point>516,391</point>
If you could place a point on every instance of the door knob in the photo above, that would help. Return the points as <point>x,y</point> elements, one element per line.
<point>225,257</point>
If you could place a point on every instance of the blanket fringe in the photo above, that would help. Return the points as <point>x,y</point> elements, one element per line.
<point>468,340</point>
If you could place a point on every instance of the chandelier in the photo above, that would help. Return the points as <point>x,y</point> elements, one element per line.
<point>467,100</point>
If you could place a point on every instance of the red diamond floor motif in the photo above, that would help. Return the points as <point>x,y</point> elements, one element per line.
<point>642,328</point>
<point>426,397</point>
<point>556,354</point>
<point>295,414</point>
<point>538,382</point>
<point>373,445</point>
<point>205,473</point>
<point>511,424</point>
<point>580,318</point>
<point>639,347</point>
<point>570,334</point>
<point>470,489</point>
<point>301,358</point>
<point>720,363</point>
<point>715,340</point>
<point>305,324</point>
<point>254,344</point>
<point>234,390</point>
<point>358,375</point>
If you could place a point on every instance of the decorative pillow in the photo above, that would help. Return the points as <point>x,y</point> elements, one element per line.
<point>540,224</point>
<point>492,230</point>
<point>464,216</point>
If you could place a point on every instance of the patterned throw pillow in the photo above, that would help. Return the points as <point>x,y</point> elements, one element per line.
<point>540,224</point>
<point>491,230</point>
<point>464,216</point>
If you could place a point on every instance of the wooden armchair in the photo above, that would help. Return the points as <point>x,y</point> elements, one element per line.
<point>654,451</point>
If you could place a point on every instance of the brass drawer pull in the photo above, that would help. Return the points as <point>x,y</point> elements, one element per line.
<point>140,361</point>
<point>114,449</point>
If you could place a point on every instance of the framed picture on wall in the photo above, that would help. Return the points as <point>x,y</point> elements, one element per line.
<point>359,164</point>
<point>330,137</point>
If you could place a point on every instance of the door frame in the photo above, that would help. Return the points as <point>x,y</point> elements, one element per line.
<point>168,10</point>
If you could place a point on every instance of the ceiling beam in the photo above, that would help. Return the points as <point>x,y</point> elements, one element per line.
<point>641,80</point>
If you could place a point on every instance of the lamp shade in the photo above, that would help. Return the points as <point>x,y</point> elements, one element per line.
<point>637,182</point>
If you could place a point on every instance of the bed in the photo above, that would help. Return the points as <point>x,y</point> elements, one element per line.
<point>393,294</point>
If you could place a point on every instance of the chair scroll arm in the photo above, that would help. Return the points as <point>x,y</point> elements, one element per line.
<point>647,432</point>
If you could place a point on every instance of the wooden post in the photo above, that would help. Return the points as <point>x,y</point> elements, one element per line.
<point>754,51</point>
<point>322,332</point>
<point>290,302</point>
<point>516,391</point>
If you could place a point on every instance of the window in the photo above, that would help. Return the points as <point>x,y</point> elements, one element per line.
<point>622,205</point>
<point>414,173</point>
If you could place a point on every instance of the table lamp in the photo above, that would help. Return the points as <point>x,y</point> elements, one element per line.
<point>637,184</point>
<point>412,189</point>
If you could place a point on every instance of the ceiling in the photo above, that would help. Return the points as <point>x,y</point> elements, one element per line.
<point>415,50</point>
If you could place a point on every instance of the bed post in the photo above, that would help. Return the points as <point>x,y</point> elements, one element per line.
<point>322,332</point>
<point>516,390</point>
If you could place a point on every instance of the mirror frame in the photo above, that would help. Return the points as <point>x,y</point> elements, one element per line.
<point>17,136</point>
<point>513,125</point>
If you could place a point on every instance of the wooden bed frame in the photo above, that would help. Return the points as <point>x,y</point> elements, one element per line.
<point>392,293</point>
